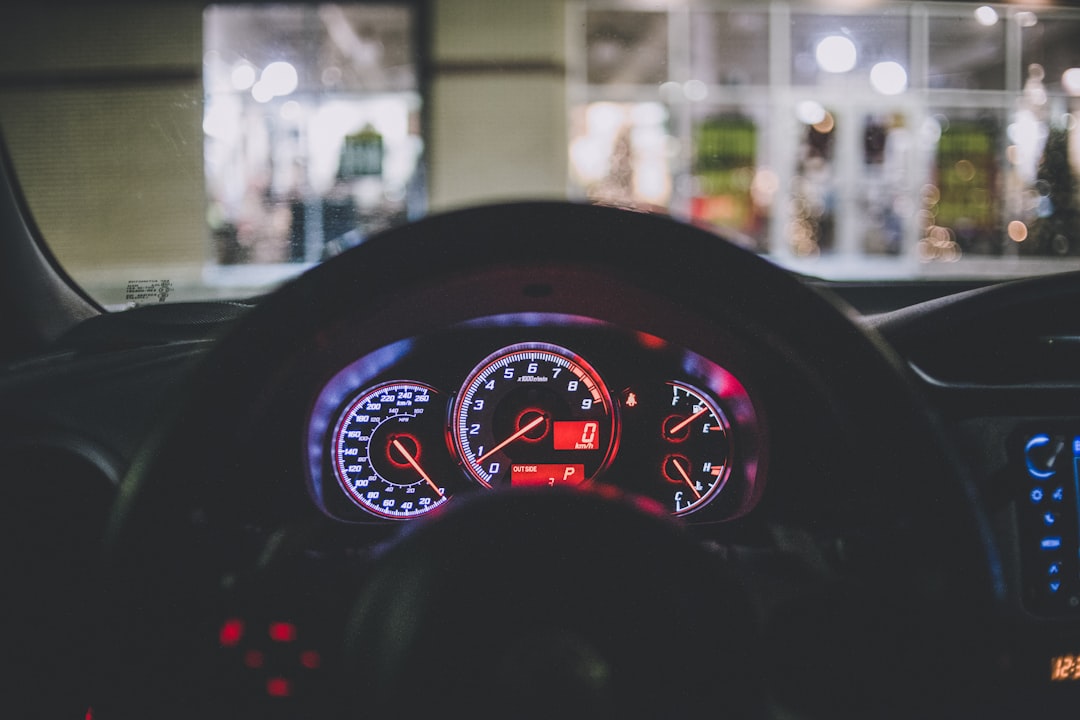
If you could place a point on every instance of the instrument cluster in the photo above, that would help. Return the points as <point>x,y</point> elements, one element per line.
<point>533,400</point>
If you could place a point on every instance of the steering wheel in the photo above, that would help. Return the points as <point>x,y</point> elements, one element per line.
<point>535,603</point>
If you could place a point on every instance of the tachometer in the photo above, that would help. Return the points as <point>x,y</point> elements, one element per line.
<point>533,414</point>
<point>389,450</point>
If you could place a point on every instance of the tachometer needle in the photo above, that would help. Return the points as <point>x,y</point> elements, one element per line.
<point>687,421</point>
<point>686,477</point>
<point>511,439</point>
<point>416,466</point>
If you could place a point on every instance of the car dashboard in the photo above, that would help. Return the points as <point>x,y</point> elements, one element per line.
<point>533,400</point>
<point>719,436</point>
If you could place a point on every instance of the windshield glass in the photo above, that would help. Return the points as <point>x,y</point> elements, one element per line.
<point>179,151</point>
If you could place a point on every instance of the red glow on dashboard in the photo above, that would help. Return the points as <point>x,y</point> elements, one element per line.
<point>282,632</point>
<point>231,632</point>
<point>310,659</point>
<point>278,687</point>
<point>525,475</point>
<point>577,435</point>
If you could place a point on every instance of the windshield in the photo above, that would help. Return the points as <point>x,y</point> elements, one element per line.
<point>182,151</point>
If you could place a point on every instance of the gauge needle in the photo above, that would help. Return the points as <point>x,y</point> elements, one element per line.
<point>686,477</point>
<point>510,439</point>
<point>416,466</point>
<point>687,421</point>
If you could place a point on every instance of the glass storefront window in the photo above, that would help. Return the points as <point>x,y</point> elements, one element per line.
<point>965,49</point>
<point>839,50</point>
<point>312,131</point>
<point>730,47</point>
<point>626,47</point>
<point>903,140</point>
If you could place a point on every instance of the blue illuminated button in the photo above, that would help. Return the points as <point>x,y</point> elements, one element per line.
<point>1051,543</point>
<point>1040,454</point>
<point>1055,586</point>
<point>1049,519</point>
<point>1059,493</point>
<point>1036,495</point>
<point>1054,569</point>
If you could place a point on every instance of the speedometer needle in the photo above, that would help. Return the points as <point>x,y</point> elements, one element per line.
<point>686,477</point>
<point>416,466</point>
<point>510,439</point>
<point>687,421</point>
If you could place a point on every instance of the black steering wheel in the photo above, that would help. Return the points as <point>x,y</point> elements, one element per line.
<point>542,603</point>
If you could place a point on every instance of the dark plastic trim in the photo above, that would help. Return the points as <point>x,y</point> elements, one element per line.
<point>39,300</point>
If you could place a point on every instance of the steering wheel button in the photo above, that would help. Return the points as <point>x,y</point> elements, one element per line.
<point>1049,519</point>
<point>1055,586</point>
<point>1058,494</point>
<point>1050,543</point>
<point>1036,495</point>
<point>1054,569</point>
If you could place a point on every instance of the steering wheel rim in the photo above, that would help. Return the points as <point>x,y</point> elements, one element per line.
<point>647,272</point>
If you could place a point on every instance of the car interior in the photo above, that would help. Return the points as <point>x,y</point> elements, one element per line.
<point>545,454</point>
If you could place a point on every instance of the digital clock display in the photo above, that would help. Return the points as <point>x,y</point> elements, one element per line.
<point>1065,668</point>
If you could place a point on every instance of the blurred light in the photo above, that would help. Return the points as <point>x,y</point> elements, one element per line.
<point>1027,19</point>
<point>604,118</point>
<point>280,78</point>
<point>222,118</point>
<point>231,632</point>
<point>764,187</point>
<point>670,90</point>
<point>648,114</point>
<point>242,76</point>
<point>835,54</point>
<point>826,125</point>
<point>1070,80</point>
<point>331,75</point>
<point>1018,231</point>
<point>290,110</point>
<point>931,130</point>
<point>310,659</point>
<point>695,90</point>
<point>282,632</point>
<point>965,170</point>
<point>261,92</point>
<point>889,78</point>
<point>986,16</point>
<point>278,687</point>
<point>809,112</point>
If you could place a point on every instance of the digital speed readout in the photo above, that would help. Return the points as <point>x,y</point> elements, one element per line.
<point>533,414</point>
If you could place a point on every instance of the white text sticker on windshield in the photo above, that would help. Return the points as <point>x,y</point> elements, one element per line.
<point>148,290</point>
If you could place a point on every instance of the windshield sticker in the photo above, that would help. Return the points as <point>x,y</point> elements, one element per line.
<point>148,290</point>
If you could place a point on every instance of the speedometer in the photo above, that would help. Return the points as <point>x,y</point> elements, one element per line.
<point>533,414</point>
<point>389,450</point>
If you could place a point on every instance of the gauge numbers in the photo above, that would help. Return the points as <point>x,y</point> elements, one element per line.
<point>389,451</point>
<point>533,414</point>
<point>696,462</point>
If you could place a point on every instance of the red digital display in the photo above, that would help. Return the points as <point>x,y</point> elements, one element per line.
<point>577,435</point>
<point>550,475</point>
